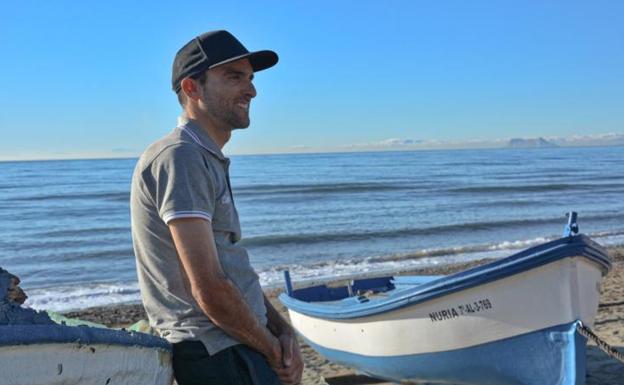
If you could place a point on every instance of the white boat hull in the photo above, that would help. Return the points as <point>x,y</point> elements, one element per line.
<point>558,293</point>
<point>35,350</point>
<point>84,364</point>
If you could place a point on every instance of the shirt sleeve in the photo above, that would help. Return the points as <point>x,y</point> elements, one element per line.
<point>184,184</point>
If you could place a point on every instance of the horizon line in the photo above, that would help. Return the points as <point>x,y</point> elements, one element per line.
<point>341,151</point>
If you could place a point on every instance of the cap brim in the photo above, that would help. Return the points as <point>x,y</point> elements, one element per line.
<point>259,60</point>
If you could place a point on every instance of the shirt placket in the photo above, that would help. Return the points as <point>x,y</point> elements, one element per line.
<point>226,167</point>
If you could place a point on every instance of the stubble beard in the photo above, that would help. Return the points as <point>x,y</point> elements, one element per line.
<point>232,116</point>
<point>223,111</point>
<point>236,119</point>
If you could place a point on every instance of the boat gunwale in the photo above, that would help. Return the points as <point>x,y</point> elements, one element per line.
<point>574,246</point>
<point>12,335</point>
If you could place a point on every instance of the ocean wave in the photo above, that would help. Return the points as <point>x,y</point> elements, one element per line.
<point>508,203</point>
<point>437,253</point>
<point>397,263</point>
<point>85,232</point>
<point>11,186</point>
<point>376,266</point>
<point>71,249</point>
<point>321,188</point>
<point>37,214</point>
<point>607,233</point>
<point>66,298</point>
<point>119,253</point>
<point>536,187</point>
<point>110,196</point>
<point>568,176</point>
<point>458,250</point>
<point>312,238</point>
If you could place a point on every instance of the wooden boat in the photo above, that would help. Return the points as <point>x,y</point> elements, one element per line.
<point>34,350</point>
<point>512,321</point>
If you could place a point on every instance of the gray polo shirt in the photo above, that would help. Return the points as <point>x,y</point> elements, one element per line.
<point>186,175</point>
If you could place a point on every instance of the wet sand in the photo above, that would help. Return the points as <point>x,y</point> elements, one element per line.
<point>601,369</point>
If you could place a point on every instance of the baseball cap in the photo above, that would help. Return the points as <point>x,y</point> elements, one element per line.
<point>214,48</point>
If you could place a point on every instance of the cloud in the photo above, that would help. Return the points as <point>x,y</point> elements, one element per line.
<point>387,143</point>
<point>394,142</point>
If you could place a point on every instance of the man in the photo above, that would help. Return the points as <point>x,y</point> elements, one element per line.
<point>196,281</point>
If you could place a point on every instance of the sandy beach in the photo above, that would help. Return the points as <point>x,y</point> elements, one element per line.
<point>602,370</point>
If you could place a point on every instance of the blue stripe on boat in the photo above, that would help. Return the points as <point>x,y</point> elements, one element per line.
<point>553,356</point>
<point>531,258</point>
<point>42,334</point>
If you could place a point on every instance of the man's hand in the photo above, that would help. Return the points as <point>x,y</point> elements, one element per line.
<point>292,363</point>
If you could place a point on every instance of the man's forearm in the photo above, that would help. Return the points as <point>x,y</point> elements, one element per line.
<point>275,322</point>
<point>215,294</point>
<point>229,311</point>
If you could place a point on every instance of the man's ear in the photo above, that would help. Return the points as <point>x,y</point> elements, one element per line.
<point>190,87</point>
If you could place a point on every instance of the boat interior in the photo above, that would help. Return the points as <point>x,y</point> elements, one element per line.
<point>361,290</point>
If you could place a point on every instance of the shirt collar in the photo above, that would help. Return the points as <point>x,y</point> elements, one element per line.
<point>199,136</point>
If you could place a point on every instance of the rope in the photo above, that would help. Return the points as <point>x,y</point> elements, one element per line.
<point>605,347</point>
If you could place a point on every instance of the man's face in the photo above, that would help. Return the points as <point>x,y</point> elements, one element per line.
<point>227,94</point>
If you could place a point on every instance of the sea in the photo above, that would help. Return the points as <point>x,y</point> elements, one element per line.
<point>65,224</point>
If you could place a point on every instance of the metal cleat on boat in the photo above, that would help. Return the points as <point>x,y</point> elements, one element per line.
<point>571,228</point>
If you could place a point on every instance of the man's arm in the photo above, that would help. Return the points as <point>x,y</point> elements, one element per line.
<point>215,294</point>
<point>275,322</point>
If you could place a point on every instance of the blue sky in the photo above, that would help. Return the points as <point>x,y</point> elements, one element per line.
<point>92,78</point>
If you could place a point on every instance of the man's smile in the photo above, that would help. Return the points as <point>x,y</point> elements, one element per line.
<point>243,105</point>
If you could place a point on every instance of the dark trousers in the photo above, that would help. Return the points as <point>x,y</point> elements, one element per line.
<point>236,365</point>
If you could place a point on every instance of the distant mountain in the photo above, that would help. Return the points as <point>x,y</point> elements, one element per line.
<point>401,144</point>
<point>608,139</point>
<point>530,143</point>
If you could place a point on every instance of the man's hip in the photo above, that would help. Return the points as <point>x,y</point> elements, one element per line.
<point>236,365</point>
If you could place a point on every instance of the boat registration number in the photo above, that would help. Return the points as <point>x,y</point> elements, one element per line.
<point>461,310</point>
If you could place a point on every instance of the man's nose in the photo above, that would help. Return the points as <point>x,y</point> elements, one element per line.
<point>251,90</point>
